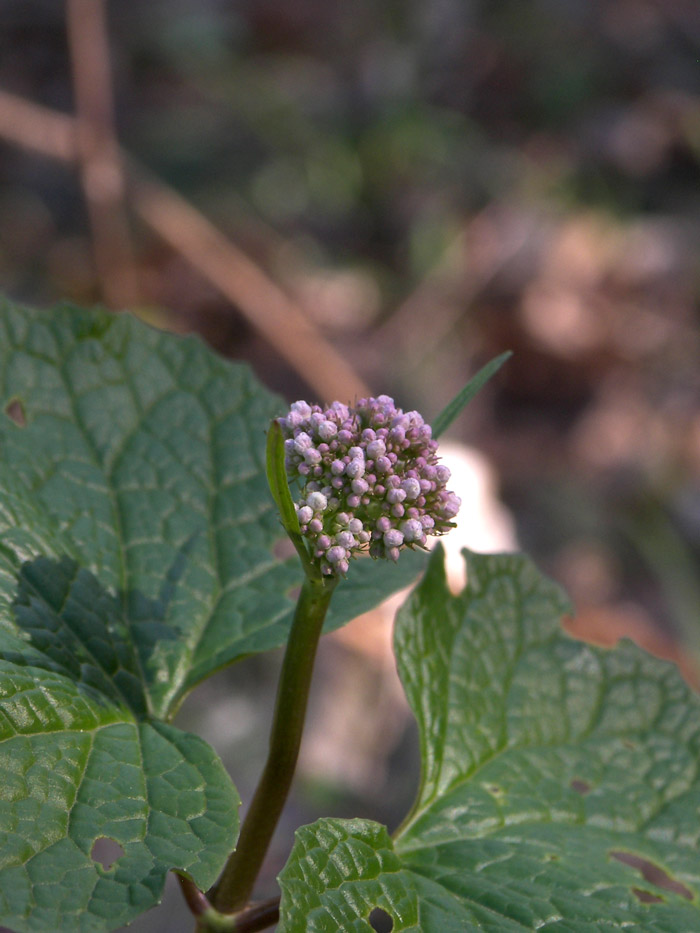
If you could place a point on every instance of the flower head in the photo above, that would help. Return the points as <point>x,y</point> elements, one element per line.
<point>369,480</point>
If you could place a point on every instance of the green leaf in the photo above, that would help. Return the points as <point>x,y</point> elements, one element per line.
<point>341,870</point>
<point>142,459</point>
<point>137,554</point>
<point>79,769</point>
<point>560,787</point>
<point>463,397</point>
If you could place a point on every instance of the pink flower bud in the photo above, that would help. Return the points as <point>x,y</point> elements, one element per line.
<point>327,430</point>
<point>305,514</point>
<point>317,501</point>
<point>301,408</point>
<point>451,506</point>
<point>442,473</point>
<point>355,468</point>
<point>311,455</point>
<point>412,530</point>
<point>411,487</point>
<point>301,442</point>
<point>393,538</point>
<point>376,449</point>
<point>345,539</point>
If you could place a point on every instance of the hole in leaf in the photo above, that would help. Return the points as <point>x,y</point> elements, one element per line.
<point>646,897</point>
<point>581,787</point>
<point>15,412</point>
<point>381,921</point>
<point>653,873</point>
<point>283,549</point>
<point>106,851</point>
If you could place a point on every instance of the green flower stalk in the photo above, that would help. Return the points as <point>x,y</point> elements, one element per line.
<point>368,480</point>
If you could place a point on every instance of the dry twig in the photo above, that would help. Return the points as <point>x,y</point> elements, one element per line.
<point>98,152</point>
<point>265,305</point>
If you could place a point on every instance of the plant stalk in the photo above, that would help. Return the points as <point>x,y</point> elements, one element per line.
<point>235,886</point>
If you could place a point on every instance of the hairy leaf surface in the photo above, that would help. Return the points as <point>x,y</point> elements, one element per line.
<point>560,787</point>
<point>138,554</point>
<point>142,458</point>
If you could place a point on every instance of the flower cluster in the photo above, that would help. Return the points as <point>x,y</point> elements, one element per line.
<point>369,479</point>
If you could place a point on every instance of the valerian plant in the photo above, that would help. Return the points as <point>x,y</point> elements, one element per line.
<point>559,789</point>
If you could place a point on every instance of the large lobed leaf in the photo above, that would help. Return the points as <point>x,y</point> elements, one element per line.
<point>143,459</point>
<point>560,787</point>
<point>137,555</point>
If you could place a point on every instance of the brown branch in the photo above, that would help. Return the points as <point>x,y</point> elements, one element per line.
<point>271,311</point>
<point>195,900</point>
<point>265,305</point>
<point>37,128</point>
<point>258,916</point>
<point>99,158</point>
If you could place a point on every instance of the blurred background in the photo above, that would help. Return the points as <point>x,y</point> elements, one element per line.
<point>381,197</point>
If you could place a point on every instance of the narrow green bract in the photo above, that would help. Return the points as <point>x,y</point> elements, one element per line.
<point>465,395</point>
<point>277,479</point>
<point>560,786</point>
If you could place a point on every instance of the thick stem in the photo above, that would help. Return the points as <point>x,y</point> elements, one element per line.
<point>234,888</point>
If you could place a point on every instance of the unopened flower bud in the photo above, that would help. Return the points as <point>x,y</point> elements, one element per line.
<point>327,430</point>
<point>355,468</point>
<point>343,509</point>
<point>412,530</point>
<point>305,514</point>
<point>311,455</point>
<point>301,442</point>
<point>393,538</point>
<point>317,501</point>
<point>376,449</point>
<point>411,487</point>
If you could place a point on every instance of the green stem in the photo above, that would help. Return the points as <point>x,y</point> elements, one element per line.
<point>257,917</point>
<point>235,886</point>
